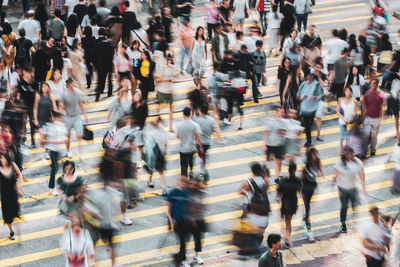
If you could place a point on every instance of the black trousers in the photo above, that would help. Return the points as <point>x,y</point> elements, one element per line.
<point>371,262</point>
<point>186,161</point>
<point>182,229</point>
<point>308,192</point>
<point>210,29</point>
<point>101,82</point>
<point>90,74</point>
<point>308,121</point>
<point>32,125</point>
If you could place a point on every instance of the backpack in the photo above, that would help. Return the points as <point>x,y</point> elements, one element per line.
<point>21,53</point>
<point>259,203</point>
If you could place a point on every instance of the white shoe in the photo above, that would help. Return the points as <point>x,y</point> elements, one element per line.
<point>198,260</point>
<point>184,264</point>
<point>47,156</point>
<point>226,121</point>
<point>126,220</point>
<point>54,192</point>
<point>69,154</point>
<point>310,236</point>
<point>139,164</point>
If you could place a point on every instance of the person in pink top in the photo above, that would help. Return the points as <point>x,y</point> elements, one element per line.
<point>186,42</point>
<point>374,100</point>
<point>212,18</point>
<point>122,65</point>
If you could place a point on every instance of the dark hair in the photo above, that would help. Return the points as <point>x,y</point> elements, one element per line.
<point>102,3</point>
<point>41,13</point>
<point>187,112</point>
<point>43,84</point>
<point>75,44</point>
<point>126,3</point>
<point>7,157</point>
<point>272,239</point>
<point>310,163</point>
<point>357,122</point>
<point>238,34</point>
<point>115,11</point>
<point>72,23</point>
<point>56,114</point>
<point>102,31</point>
<point>353,43</point>
<point>147,53</point>
<point>204,109</point>
<point>292,170</point>
<point>275,10</point>
<point>343,34</point>
<point>257,169</point>
<point>125,55</point>
<point>69,81</point>
<point>385,42</point>
<point>197,33</point>
<point>343,156</point>
<point>335,32</point>
<point>187,19</point>
<point>21,32</point>
<point>259,43</point>
<point>350,79</point>
<point>88,31</point>
<point>7,29</point>
<point>57,13</point>
<point>52,74</point>
<point>69,163</point>
<point>91,11</point>
<point>243,47</point>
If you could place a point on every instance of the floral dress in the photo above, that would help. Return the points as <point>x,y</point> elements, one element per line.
<point>199,58</point>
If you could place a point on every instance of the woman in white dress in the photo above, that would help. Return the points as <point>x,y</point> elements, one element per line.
<point>274,19</point>
<point>198,54</point>
<point>79,70</point>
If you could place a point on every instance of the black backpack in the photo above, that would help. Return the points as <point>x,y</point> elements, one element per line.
<point>21,53</point>
<point>259,203</point>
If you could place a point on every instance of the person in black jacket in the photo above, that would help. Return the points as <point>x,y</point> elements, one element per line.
<point>103,55</point>
<point>130,20</point>
<point>244,61</point>
<point>288,20</point>
<point>88,42</point>
<point>145,70</point>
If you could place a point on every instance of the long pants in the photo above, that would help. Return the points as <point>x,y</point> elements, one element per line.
<point>210,29</point>
<point>302,19</point>
<point>186,161</point>
<point>308,121</point>
<point>371,262</point>
<point>387,76</point>
<point>197,232</point>
<point>89,75</point>
<point>182,229</point>
<point>346,196</point>
<point>26,5</point>
<point>18,157</point>
<point>32,125</point>
<point>255,81</point>
<point>54,155</point>
<point>307,195</point>
<point>374,123</point>
<point>184,52</point>
<point>263,21</point>
<point>101,82</point>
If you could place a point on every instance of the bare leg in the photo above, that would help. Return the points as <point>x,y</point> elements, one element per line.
<point>240,119</point>
<point>278,164</point>
<point>171,116</point>
<point>162,179</point>
<point>318,122</point>
<point>288,233</point>
<point>112,252</point>
<point>140,154</point>
<point>10,227</point>
<point>68,143</point>
<point>396,124</point>
<point>79,138</point>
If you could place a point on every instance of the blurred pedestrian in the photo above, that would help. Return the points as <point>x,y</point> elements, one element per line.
<point>346,109</point>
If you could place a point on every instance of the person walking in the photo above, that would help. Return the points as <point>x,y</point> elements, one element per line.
<point>272,257</point>
<point>103,55</point>
<point>259,60</point>
<point>355,81</point>
<point>145,74</point>
<point>219,44</point>
<point>292,133</point>
<point>188,133</point>
<point>349,174</point>
<point>44,104</point>
<point>211,18</point>
<point>373,103</point>
<point>240,7</point>
<point>312,169</point>
<point>88,41</point>
<point>140,112</point>
<point>79,71</point>
<point>264,9</point>
<point>274,19</point>
<point>302,9</point>
<point>288,189</point>
<point>8,37</point>
<point>186,43</point>
<point>54,136</point>
<point>309,93</point>
<point>346,110</point>
<point>373,240</point>
<point>10,178</point>
<point>198,54</point>
<point>208,126</point>
<point>340,72</point>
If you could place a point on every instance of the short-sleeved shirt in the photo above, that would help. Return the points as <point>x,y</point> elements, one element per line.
<point>123,64</point>
<point>31,27</point>
<point>71,102</point>
<point>22,42</point>
<point>60,5</point>
<point>268,260</point>
<point>118,109</point>
<point>187,131</point>
<point>71,5</point>
<point>70,189</point>
<point>240,6</point>
<point>56,27</point>
<point>335,47</point>
<point>80,10</point>
<point>207,125</point>
<point>186,10</point>
<point>374,103</point>
<point>55,131</point>
<point>349,174</point>
<point>274,138</point>
<point>375,235</point>
<point>178,199</point>
<point>76,245</point>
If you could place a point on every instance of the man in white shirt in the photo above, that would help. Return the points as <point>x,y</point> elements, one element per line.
<point>335,47</point>
<point>31,26</point>
<point>70,5</point>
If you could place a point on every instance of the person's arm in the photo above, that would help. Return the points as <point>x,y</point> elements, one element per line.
<point>244,189</point>
<point>170,221</point>
<point>368,245</point>
<point>355,106</point>
<point>288,80</point>
<point>82,107</point>
<point>53,103</point>
<point>364,105</point>
<point>199,141</point>
<point>18,173</point>
<point>335,176</point>
<point>362,177</point>
<point>35,108</point>
<point>338,110</point>
<point>266,133</point>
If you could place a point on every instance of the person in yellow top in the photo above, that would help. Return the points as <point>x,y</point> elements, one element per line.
<point>8,39</point>
<point>145,74</point>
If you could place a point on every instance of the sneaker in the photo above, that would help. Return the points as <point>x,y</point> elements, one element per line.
<point>54,192</point>
<point>12,236</point>
<point>310,236</point>
<point>47,156</point>
<point>198,260</point>
<point>343,228</point>
<point>184,264</point>
<point>126,220</point>
<point>69,154</point>
<point>226,121</point>
<point>139,164</point>
<point>372,153</point>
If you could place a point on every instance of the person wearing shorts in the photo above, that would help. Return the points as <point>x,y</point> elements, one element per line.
<point>275,138</point>
<point>72,104</point>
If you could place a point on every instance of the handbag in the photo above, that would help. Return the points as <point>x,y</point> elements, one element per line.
<point>87,134</point>
<point>189,68</point>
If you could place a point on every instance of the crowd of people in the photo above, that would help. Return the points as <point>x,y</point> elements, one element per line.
<point>46,73</point>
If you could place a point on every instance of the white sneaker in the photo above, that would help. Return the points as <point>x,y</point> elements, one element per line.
<point>184,264</point>
<point>47,156</point>
<point>310,236</point>
<point>139,164</point>
<point>126,220</point>
<point>226,121</point>
<point>54,192</point>
<point>69,154</point>
<point>198,260</point>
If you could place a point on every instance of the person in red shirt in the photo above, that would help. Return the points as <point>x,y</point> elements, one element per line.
<point>373,102</point>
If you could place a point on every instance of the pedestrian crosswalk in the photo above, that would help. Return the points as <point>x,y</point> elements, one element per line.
<point>230,155</point>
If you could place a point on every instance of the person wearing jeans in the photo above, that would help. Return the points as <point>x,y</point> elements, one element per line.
<point>310,92</point>
<point>301,7</point>
<point>263,8</point>
<point>186,42</point>
<point>189,134</point>
<point>211,18</point>
<point>349,174</point>
<point>55,135</point>
<point>373,102</point>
